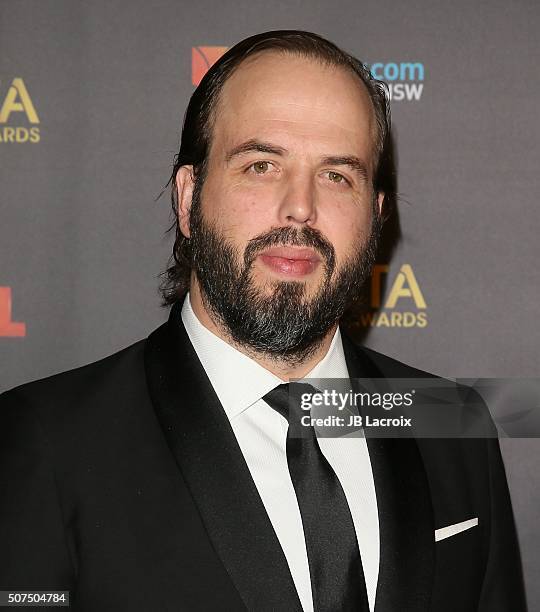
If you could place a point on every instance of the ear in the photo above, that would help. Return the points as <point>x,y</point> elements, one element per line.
<point>380,201</point>
<point>184,187</point>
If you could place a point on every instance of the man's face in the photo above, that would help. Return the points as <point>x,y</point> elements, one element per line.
<point>282,228</point>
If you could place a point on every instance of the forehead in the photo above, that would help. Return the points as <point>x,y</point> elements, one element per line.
<point>296,99</point>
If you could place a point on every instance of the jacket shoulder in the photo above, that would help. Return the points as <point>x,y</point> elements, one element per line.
<point>390,367</point>
<point>469,405</point>
<point>72,388</point>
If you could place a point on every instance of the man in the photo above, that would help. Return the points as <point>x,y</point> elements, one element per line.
<point>165,477</point>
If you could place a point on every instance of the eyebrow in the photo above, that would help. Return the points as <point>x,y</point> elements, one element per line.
<point>254,145</point>
<point>351,161</point>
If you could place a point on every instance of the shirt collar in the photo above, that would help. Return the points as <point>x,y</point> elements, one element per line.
<point>238,380</point>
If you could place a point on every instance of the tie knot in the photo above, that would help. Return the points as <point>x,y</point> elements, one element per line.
<point>292,397</point>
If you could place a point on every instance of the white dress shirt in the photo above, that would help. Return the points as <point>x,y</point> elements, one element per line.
<point>240,383</point>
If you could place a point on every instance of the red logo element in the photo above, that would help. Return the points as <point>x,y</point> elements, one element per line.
<point>201,60</point>
<point>9,328</point>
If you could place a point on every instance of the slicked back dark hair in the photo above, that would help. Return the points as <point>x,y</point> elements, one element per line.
<point>200,116</point>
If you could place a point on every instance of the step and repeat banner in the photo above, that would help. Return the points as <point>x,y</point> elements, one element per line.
<point>92,97</point>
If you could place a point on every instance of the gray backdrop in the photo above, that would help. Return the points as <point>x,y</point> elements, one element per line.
<point>82,235</point>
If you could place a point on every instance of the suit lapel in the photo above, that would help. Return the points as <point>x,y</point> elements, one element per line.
<point>405,510</point>
<point>212,464</point>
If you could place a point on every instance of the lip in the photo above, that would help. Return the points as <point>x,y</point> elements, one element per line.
<point>290,261</point>
<point>292,253</point>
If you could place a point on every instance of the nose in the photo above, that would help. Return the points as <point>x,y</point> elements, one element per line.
<point>298,200</point>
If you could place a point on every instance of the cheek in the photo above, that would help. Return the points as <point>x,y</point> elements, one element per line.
<point>239,215</point>
<point>347,228</point>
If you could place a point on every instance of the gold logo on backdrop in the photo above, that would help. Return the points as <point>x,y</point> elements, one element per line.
<point>18,108</point>
<point>405,305</point>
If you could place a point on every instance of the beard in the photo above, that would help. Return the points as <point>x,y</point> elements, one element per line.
<point>278,320</point>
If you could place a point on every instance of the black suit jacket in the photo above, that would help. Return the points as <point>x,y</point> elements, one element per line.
<point>122,482</point>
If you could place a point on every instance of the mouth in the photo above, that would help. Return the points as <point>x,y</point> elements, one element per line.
<point>290,261</point>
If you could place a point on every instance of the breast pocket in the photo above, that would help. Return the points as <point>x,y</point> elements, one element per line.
<point>451,530</point>
<point>459,566</point>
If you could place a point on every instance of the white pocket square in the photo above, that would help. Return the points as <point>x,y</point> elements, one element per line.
<point>446,532</point>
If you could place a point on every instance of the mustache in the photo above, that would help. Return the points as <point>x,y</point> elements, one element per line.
<point>291,236</point>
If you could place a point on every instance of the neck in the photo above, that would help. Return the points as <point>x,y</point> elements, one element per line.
<point>281,369</point>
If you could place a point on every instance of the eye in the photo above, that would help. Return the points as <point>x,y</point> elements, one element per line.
<point>337,178</point>
<point>260,167</point>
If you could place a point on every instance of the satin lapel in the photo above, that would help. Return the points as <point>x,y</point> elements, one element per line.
<point>209,457</point>
<point>405,510</point>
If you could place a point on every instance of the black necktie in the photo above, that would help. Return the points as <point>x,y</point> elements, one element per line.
<point>337,578</point>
